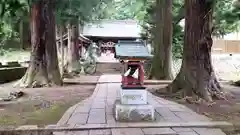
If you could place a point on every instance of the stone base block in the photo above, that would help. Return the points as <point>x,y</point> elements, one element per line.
<point>134,113</point>
<point>133,96</point>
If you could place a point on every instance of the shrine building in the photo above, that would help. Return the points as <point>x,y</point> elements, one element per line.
<point>106,33</point>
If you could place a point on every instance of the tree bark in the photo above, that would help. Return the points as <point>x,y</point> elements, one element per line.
<point>62,49</point>
<point>57,29</point>
<point>73,49</point>
<point>43,69</point>
<point>196,76</point>
<point>21,34</point>
<point>162,61</point>
<point>24,33</point>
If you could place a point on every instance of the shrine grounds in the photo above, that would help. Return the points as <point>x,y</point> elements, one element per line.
<point>43,106</point>
<point>220,111</point>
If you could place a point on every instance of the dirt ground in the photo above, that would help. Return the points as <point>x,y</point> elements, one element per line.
<point>221,111</point>
<point>42,106</point>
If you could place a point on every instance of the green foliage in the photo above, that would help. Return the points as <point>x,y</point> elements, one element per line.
<point>226,18</point>
<point>177,42</point>
<point>11,7</point>
<point>148,24</point>
<point>80,10</point>
<point>126,9</point>
<point>11,12</point>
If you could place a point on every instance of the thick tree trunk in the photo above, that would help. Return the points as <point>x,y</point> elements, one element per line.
<point>51,48</point>
<point>162,61</point>
<point>24,33</point>
<point>196,76</point>
<point>43,69</point>
<point>73,49</point>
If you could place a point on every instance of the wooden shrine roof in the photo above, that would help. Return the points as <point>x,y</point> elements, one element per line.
<point>132,49</point>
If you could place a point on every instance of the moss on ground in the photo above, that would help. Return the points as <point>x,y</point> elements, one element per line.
<point>33,114</point>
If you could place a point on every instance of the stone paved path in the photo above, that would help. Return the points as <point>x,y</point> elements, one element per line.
<point>98,110</point>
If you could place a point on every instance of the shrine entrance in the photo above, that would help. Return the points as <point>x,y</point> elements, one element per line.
<point>106,44</point>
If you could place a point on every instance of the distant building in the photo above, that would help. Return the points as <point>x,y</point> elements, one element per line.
<point>229,43</point>
<point>107,32</point>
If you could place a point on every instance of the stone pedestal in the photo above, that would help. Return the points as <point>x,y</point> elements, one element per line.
<point>133,106</point>
<point>133,96</point>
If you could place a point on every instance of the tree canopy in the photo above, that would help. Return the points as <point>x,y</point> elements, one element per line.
<point>12,11</point>
<point>80,10</point>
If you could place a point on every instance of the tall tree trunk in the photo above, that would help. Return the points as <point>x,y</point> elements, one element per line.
<point>196,76</point>
<point>43,69</point>
<point>162,61</point>
<point>51,48</point>
<point>57,29</point>
<point>21,34</point>
<point>73,49</point>
<point>62,49</point>
<point>24,32</point>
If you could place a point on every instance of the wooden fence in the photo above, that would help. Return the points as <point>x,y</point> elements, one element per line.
<point>226,46</point>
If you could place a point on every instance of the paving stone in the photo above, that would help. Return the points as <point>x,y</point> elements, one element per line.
<point>183,129</point>
<point>60,133</point>
<point>110,119</point>
<point>158,117</point>
<point>178,109</point>
<point>100,132</point>
<point>159,131</point>
<point>103,99</point>
<point>50,126</point>
<point>101,96</point>
<point>65,132</point>
<point>96,100</point>
<point>82,109</point>
<point>79,133</point>
<point>66,116</point>
<point>187,133</point>
<point>189,117</point>
<point>173,119</point>
<point>165,112</point>
<point>109,110</point>
<point>97,116</point>
<point>127,131</point>
<point>205,131</point>
<point>78,118</point>
<point>168,115</point>
<point>85,103</point>
<point>111,92</point>
<point>111,101</point>
<point>99,105</point>
<point>165,102</point>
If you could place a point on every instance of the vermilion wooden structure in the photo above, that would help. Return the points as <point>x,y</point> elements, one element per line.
<point>132,55</point>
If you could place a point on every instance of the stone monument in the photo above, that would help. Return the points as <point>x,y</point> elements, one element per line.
<point>133,105</point>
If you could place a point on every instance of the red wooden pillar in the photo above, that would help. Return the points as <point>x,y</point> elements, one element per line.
<point>141,73</point>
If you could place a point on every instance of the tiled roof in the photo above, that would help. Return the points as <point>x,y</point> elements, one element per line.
<point>132,49</point>
<point>113,28</point>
